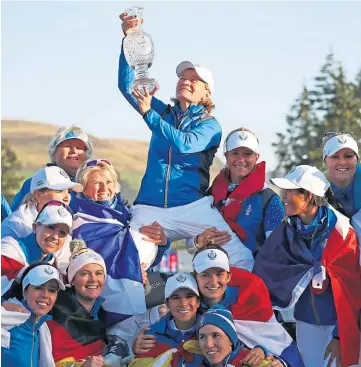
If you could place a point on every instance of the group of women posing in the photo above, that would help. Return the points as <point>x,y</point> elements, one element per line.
<point>254,251</point>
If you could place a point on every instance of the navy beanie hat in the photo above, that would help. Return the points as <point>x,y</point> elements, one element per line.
<point>223,319</point>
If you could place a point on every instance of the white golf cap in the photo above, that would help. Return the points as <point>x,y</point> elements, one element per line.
<point>211,258</point>
<point>53,178</point>
<point>338,142</point>
<point>202,72</point>
<point>178,281</point>
<point>304,177</point>
<point>55,214</point>
<point>42,274</point>
<point>241,139</point>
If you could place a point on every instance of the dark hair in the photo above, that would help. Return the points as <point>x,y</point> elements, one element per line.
<point>30,267</point>
<point>332,200</point>
<point>210,247</point>
<point>315,199</point>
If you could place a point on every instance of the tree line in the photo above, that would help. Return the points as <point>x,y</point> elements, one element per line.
<point>331,103</point>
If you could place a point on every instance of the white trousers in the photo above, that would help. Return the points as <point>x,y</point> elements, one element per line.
<point>130,328</point>
<point>184,222</point>
<point>312,341</point>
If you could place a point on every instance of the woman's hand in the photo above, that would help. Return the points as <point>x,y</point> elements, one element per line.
<point>143,343</point>
<point>129,23</point>
<point>9,306</point>
<point>333,349</point>
<point>211,236</point>
<point>154,233</point>
<point>144,272</point>
<point>144,99</point>
<point>253,357</point>
<point>274,362</point>
<point>96,361</point>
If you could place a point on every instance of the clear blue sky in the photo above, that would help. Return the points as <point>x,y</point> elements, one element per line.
<point>59,59</point>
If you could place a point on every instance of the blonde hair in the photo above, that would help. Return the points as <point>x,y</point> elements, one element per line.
<point>29,199</point>
<point>83,173</point>
<point>79,134</point>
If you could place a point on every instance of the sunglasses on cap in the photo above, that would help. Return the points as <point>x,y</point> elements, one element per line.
<point>95,162</point>
<point>55,203</point>
<point>335,133</point>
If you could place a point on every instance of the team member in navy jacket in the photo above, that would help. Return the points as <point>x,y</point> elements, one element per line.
<point>240,193</point>
<point>311,261</point>
<point>185,138</point>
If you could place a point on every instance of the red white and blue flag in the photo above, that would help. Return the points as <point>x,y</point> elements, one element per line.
<point>106,231</point>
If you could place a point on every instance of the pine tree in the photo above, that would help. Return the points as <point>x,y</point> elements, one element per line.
<point>331,104</point>
<point>294,147</point>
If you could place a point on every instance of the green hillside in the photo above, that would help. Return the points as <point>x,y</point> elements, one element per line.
<point>29,141</point>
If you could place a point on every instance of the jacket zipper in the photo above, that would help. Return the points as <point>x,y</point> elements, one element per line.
<point>314,307</point>
<point>32,347</point>
<point>169,163</point>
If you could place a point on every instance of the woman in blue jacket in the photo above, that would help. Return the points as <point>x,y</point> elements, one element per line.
<point>52,228</point>
<point>185,138</point>
<point>28,338</point>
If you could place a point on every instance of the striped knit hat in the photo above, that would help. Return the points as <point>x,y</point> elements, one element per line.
<point>223,319</point>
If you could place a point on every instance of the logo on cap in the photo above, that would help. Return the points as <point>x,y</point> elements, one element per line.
<point>49,270</point>
<point>342,139</point>
<point>181,278</point>
<point>63,173</point>
<point>212,255</point>
<point>39,183</point>
<point>62,212</point>
<point>243,135</point>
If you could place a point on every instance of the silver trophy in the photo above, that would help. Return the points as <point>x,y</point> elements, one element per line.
<point>139,53</point>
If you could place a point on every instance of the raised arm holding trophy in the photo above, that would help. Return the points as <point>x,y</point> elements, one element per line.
<point>185,138</point>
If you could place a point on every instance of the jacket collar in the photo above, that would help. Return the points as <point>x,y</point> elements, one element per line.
<point>42,319</point>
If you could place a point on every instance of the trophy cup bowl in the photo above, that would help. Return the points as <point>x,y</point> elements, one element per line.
<point>139,52</point>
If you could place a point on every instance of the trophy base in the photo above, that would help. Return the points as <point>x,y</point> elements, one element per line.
<point>142,83</point>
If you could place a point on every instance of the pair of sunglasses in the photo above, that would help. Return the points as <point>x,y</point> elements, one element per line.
<point>95,162</point>
<point>54,203</point>
<point>350,133</point>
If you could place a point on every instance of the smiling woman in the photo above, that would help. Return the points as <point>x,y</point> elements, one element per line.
<point>39,284</point>
<point>240,193</point>
<point>341,158</point>
<point>78,310</point>
<point>171,339</point>
<point>51,228</point>
<point>68,149</point>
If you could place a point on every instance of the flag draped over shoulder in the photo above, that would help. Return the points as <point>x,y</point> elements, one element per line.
<point>254,318</point>
<point>106,231</point>
<point>287,270</point>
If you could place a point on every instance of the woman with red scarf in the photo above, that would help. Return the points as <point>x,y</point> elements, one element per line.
<point>240,193</point>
